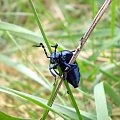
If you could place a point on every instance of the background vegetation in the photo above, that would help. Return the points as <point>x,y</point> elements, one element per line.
<point>24,68</point>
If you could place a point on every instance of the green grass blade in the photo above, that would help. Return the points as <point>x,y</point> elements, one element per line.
<point>4,116</point>
<point>28,97</point>
<point>40,26</point>
<point>24,70</point>
<point>21,32</point>
<point>94,7</point>
<point>49,48</point>
<point>112,94</point>
<point>13,28</point>
<point>58,109</point>
<point>100,102</point>
<point>73,100</point>
<point>103,70</point>
<point>100,99</point>
<point>16,14</point>
<point>112,27</point>
<point>50,100</point>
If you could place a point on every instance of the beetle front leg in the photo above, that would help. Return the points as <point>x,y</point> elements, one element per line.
<point>52,73</point>
<point>53,67</point>
<point>56,72</point>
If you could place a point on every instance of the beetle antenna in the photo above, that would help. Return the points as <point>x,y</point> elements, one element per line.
<point>55,46</point>
<point>41,45</point>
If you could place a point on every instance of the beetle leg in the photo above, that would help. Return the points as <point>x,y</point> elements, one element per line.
<point>73,66</point>
<point>52,73</point>
<point>53,67</point>
<point>56,72</point>
<point>67,65</point>
<point>41,45</point>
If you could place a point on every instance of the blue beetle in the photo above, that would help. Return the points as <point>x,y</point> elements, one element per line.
<point>62,59</point>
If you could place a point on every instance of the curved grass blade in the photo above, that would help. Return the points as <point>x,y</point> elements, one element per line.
<point>40,26</point>
<point>28,97</point>
<point>112,94</point>
<point>105,71</point>
<point>23,69</point>
<point>4,116</point>
<point>21,32</point>
<point>100,102</point>
<point>62,110</point>
<point>100,99</point>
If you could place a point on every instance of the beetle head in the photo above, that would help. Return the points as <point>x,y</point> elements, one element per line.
<point>54,57</point>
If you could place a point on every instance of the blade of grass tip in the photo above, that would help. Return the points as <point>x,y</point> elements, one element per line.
<point>40,26</point>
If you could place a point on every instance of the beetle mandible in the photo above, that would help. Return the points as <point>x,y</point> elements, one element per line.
<point>62,59</point>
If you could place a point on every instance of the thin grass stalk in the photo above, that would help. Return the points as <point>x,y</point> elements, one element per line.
<point>82,42</point>
<point>73,100</point>
<point>40,26</point>
<point>49,48</point>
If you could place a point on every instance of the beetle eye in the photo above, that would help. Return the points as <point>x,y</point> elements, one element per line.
<point>52,61</point>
